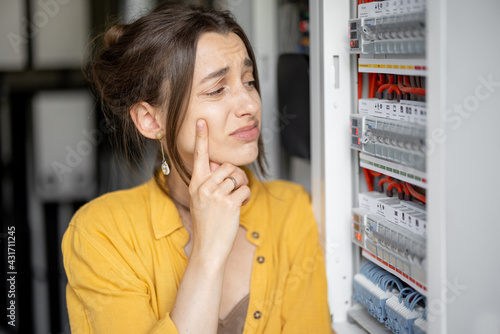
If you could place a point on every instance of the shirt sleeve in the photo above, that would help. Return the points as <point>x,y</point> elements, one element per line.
<point>305,299</point>
<point>103,294</point>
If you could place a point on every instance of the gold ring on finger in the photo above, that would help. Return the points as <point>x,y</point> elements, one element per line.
<point>234,181</point>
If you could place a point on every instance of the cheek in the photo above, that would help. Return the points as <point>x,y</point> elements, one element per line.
<point>258,101</point>
<point>186,137</point>
<point>215,114</point>
<point>215,120</point>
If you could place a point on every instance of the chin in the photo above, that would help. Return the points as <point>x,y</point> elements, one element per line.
<point>239,158</point>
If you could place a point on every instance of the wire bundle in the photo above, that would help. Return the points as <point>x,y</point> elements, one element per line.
<point>373,286</point>
<point>403,310</point>
<point>391,87</point>
<point>387,300</point>
<point>405,190</point>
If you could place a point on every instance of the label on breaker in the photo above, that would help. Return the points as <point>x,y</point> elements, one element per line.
<point>394,211</point>
<point>407,111</point>
<point>390,7</point>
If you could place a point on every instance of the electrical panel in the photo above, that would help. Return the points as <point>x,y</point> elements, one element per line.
<point>400,119</point>
<point>389,27</point>
<point>388,135</point>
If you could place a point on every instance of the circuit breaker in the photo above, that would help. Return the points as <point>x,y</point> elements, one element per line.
<point>389,222</point>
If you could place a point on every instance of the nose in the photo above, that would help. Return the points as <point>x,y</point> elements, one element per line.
<point>246,101</point>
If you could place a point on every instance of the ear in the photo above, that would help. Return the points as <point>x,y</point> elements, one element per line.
<point>147,119</point>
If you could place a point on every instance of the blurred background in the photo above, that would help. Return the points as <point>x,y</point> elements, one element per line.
<point>56,152</point>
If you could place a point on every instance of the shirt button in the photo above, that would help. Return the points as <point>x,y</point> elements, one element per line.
<point>261,259</point>
<point>257,315</point>
<point>255,235</point>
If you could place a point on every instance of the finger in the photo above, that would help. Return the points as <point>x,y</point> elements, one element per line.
<point>214,166</point>
<point>237,179</point>
<point>242,195</point>
<point>233,180</point>
<point>220,176</point>
<point>225,170</point>
<point>244,178</point>
<point>230,184</point>
<point>201,160</point>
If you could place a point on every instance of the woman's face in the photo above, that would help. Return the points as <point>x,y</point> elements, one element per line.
<point>224,95</point>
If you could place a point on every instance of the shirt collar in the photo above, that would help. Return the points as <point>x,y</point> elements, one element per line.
<point>166,220</point>
<point>256,211</point>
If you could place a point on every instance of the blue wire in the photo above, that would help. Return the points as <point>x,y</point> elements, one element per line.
<point>371,272</point>
<point>385,283</point>
<point>399,284</point>
<point>366,268</point>
<point>382,281</point>
<point>402,292</point>
<point>395,280</point>
<point>363,266</point>
<point>408,297</point>
<point>415,301</point>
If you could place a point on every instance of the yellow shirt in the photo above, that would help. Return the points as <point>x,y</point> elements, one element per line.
<point>124,258</point>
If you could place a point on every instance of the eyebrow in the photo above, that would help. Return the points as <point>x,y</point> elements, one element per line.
<point>221,72</point>
<point>248,62</point>
<point>217,74</point>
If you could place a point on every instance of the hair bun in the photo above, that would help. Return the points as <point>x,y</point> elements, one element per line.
<point>112,36</point>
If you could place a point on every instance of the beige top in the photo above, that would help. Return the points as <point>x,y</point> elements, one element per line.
<point>234,322</point>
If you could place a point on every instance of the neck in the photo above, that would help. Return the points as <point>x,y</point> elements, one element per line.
<point>179,191</point>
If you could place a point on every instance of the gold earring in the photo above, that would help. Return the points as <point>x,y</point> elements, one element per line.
<point>164,166</point>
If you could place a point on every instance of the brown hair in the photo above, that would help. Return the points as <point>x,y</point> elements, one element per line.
<point>152,60</point>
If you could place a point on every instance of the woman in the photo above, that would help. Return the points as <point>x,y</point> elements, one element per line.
<point>204,246</point>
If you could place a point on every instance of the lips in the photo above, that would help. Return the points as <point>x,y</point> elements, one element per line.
<point>248,132</point>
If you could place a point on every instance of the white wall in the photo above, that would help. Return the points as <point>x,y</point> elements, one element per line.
<point>62,32</point>
<point>462,204</point>
<point>133,9</point>
<point>13,40</point>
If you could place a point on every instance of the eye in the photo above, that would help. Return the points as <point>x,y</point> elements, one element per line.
<point>250,83</point>
<point>217,92</point>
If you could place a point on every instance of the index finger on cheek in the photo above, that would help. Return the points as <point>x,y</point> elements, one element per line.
<point>201,160</point>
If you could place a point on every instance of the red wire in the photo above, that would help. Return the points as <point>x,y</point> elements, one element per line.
<point>368,178</point>
<point>372,79</point>
<point>394,88</point>
<point>384,87</point>
<point>395,185</point>
<point>415,194</point>
<point>405,187</point>
<point>411,90</point>
<point>381,79</point>
<point>384,180</point>
<point>374,173</point>
<point>407,81</point>
<point>388,86</point>
<point>391,78</point>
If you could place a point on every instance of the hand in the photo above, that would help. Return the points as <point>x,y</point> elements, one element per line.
<point>215,201</point>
